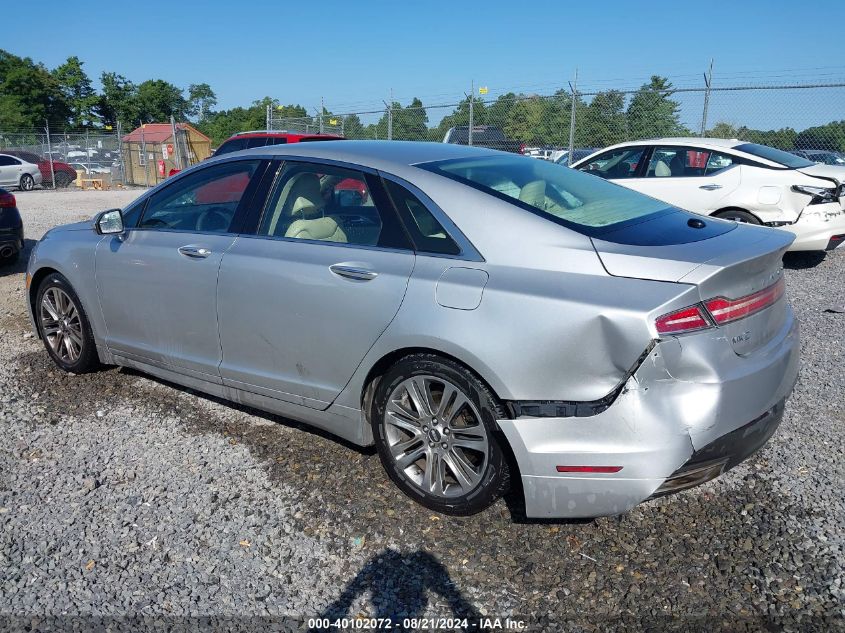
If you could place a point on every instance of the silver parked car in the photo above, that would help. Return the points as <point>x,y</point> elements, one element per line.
<point>16,172</point>
<point>483,318</point>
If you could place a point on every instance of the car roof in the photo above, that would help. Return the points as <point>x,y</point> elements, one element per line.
<point>280,134</point>
<point>374,154</point>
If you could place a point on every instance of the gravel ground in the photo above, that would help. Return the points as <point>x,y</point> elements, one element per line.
<point>123,496</point>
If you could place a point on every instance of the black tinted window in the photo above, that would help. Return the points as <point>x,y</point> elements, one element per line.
<point>617,163</point>
<point>232,145</point>
<point>6,161</point>
<point>775,155</point>
<point>426,232</point>
<point>276,140</point>
<point>259,141</point>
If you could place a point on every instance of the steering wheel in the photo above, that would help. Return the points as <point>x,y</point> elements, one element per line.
<point>213,220</point>
<point>151,222</point>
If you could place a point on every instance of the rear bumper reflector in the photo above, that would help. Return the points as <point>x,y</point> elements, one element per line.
<point>589,469</point>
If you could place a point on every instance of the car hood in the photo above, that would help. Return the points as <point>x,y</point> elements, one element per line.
<point>84,225</point>
<point>829,172</point>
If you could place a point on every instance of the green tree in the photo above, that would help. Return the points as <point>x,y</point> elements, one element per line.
<point>201,100</point>
<point>604,120</point>
<point>29,95</point>
<point>158,100</point>
<point>652,113</point>
<point>353,128</point>
<point>118,101</point>
<point>722,130</point>
<point>830,137</point>
<point>78,92</point>
<point>411,122</point>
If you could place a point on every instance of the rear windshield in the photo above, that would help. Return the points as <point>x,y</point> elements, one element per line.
<point>570,197</point>
<point>775,155</point>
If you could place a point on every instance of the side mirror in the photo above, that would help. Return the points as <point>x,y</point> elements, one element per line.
<point>109,222</point>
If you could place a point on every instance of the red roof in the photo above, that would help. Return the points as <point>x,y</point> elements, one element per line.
<point>157,133</point>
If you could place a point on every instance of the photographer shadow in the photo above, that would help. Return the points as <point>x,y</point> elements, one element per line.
<point>398,585</point>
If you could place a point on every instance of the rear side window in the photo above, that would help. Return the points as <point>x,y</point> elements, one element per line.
<point>276,140</point>
<point>259,141</point>
<point>427,233</point>
<point>775,155</point>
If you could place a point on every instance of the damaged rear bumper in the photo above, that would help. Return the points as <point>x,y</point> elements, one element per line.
<point>666,423</point>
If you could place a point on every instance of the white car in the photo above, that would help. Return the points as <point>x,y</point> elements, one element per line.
<point>16,172</point>
<point>735,180</point>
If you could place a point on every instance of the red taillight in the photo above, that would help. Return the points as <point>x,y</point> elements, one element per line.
<point>685,320</point>
<point>726,310</point>
<point>7,201</point>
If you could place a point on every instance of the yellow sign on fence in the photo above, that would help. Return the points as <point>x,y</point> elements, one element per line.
<point>482,90</point>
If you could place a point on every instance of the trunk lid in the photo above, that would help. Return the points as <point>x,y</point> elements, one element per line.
<point>731,264</point>
<point>828,172</point>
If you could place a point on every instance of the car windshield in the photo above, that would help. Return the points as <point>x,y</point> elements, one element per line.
<point>775,155</point>
<point>573,198</point>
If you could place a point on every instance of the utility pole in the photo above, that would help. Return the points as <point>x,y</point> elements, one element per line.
<point>144,154</point>
<point>708,82</point>
<point>50,154</point>
<point>471,110</point>
<point>574,88</point>
<point>176,146</point>
<point>322,109</point>
<point>390,117</point>
<point>269,119</point>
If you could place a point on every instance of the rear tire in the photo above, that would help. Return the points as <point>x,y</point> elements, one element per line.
<point>64,327</point>
<point>434,424</point>
<point>10,259</point>
<point>27,183</point>
<point>738,215</point>
<point>62,180</point>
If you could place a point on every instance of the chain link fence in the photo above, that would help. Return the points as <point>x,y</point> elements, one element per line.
<point>804,118</point>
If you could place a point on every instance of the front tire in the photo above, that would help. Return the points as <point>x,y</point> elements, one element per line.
<point>64,326</point>
<point>27,183</point>
<point>434,424</point>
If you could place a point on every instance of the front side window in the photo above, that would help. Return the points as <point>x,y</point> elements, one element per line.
<point>204,201</point>
<point>618,163</point>
<point>565,195</point>
<point>256,141</point>
<point>5,161</point>
<point>324,203</point>
<point>686,162</point>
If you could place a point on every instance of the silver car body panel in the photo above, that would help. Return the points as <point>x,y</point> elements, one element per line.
<point>540,312</point>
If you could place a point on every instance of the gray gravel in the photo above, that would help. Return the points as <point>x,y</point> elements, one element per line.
<point>125,496</point>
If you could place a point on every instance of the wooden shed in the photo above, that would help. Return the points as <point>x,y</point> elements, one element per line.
<point>151,153</point>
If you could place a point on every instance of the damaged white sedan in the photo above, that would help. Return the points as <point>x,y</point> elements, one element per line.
<point>485,320</point>
<point>734,180</point>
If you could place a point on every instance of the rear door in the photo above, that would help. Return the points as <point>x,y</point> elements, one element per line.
<point>304,296</point>
<point>157,283</point>
<point>695,179</point>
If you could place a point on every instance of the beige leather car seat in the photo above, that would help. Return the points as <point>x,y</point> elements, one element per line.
<point>300,199</point>
<point>661,169</point>
<point>325,229</point>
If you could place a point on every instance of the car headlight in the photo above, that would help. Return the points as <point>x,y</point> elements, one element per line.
<point>819,195</point>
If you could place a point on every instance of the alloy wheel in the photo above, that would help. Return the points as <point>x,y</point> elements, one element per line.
<point>27,182</point>
<point>436,436</point>
<point>61,325</point>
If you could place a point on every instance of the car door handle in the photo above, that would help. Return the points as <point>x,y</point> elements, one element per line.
<point>196,252</point>
<point>710,187</point>
<point>351,272</point>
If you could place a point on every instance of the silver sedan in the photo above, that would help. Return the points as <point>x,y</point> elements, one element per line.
<point>488,321</point>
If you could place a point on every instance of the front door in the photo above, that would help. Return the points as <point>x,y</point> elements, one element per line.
<point>158,282</point>
<point>302,300</point>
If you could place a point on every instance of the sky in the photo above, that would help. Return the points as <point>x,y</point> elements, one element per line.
<point>353,54</point>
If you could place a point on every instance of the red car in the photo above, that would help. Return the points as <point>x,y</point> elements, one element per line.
<point>248,140</point>
<point>65,174</point>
